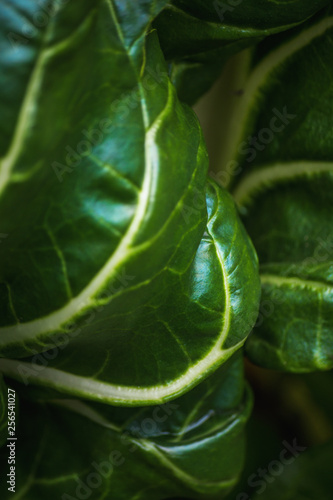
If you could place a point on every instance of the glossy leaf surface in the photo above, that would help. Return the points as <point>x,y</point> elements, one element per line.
<point>192,447</point>
<point>111,264</point>
<point>186,328</point>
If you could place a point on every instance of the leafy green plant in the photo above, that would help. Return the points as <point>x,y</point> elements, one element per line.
<point>132,284</point>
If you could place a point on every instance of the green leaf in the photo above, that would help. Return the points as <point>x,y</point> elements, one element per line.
<point>109,267</point>
<point>197,37</point>
<point>188,323</point>
<point>95,218</point>
<point>281,172</point>
<point>191,447</point>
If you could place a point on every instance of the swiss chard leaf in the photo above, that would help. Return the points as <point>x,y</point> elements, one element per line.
<point>80,236</point>
<point>198,37</point>
<point>281,174</point>
<point>192,447</point>
<point>107,266</point>
<point>187,325</point>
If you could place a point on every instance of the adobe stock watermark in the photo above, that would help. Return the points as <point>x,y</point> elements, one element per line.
<point>104,469</point>
<point>222,7</point>
<point>91,138</point>
<point>192,211</point>
<point>264,476</point>
<point>59,341</point>
<point>254,144</point>
<point>41,17</point>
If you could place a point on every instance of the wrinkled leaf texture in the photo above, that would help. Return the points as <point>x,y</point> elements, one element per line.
<point>112,255</point>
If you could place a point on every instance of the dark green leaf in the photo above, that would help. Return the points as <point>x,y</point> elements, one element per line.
<point>281,173</point>
<point>109,265</point>
<point>192,447</point>
<point>188,323</point>
<point>197,36</point>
